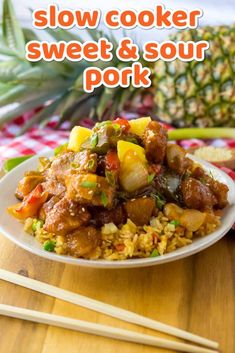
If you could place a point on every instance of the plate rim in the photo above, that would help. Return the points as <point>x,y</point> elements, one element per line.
<point>175,255</point>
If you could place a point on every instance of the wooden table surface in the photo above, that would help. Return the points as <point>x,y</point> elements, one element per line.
<point>197,294</point>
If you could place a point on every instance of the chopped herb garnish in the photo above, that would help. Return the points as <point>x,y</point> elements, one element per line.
<point>91,163</point>
<point>49,245</point>
<point>37,224</point>
<point>110,178</point>
<point>154,253</point>
<point>132,140</point>
<point>94,140</point>
<point>186,175</point>
<point>211,175</point>
<point>103,123</point>
<point>104,199</point>
<point>175,222</point>
<point>88,184</point>
<point>75,165</point>
<point>150,178</point>
<point>60,149</point>
<point>160,202</point>
<point>116,127</point>
<point>122,195</point>
<point>203,180</point>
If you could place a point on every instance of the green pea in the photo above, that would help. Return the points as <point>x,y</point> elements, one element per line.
<point>154,253</point>
<point>49,245</point>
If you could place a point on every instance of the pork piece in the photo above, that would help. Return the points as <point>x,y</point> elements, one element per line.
<point>197,195</point>
<point>176,159</point>
<point>101,166</point>
<point>61,166</point>
<point>47,207</point>
<point>140,210</point>
<point>155,142</point>
<point>197,173</point>
<point>28,183</point>
<point>66,216</point>
<point>53,187</point>
<point>85,161</point>
<point>219,190</point>
<point>107,135</point>
<point>101,216</point>
<point>82,241</point>
<point>90,189</point>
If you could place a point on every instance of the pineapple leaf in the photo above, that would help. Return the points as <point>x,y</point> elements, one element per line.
<point>13,94</point>
<point>94,34</point>
<point>12,111</point>
<point>35,74</point>
<point>5,86</point>
<point>63,68</point>
<point>9,69</point>
<point>112,39</point>
<point>73,104</point>
<point>106,99</point>
<point>65,35</point>
<point>83,110</point>
<point>112,111</point>
<point>4,50</point>
<point>126,93</point>
<point>42,114</point>
<point>24,93</point>
<point>29,35</point>
<point>12,32</point>
<point>78,84</point>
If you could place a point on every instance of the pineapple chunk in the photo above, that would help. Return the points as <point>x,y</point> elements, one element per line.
<point>78,135</point>
<point>139,125</point>
<point>123,147</point>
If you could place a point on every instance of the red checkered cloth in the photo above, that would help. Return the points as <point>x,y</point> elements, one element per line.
<point>35,141</point>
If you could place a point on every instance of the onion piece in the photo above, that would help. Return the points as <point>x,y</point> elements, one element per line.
<point>134,172</point>
<point>192,220</point>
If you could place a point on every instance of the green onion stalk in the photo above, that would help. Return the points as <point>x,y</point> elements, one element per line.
<point>201,133</point>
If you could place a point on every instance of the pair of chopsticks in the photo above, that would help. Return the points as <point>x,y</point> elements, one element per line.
<point>98,329</point>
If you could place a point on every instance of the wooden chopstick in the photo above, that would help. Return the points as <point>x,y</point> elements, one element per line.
<point>98,329</point>
<point>104,308</point>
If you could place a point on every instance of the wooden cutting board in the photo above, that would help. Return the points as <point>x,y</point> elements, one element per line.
<point>197,294</point>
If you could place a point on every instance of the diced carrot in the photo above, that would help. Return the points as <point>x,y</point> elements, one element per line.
<point>120,247</point>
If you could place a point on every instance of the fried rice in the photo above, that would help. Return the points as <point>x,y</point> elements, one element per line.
<point>131,241</point>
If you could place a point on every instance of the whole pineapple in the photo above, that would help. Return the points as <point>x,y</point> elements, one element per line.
<point>199,93</point>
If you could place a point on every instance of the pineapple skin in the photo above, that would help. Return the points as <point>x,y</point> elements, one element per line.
<point>199,93</point>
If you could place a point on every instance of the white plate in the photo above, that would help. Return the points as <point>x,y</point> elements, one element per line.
<point>13,230</point>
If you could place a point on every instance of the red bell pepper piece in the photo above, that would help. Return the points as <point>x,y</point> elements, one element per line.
<point>30,205</point>
<point>123,123</point>
<point>112,162</point>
